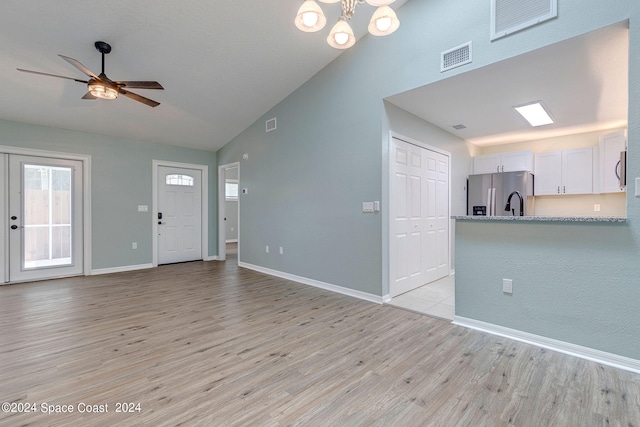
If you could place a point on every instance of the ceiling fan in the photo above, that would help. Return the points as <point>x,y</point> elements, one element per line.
<point>101,86</point>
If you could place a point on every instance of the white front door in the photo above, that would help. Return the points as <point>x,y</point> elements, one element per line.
<point>419,244</point>
<point>44,217</point>
<point>179,214</point>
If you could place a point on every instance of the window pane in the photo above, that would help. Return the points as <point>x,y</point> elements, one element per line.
<point>231,190</point>
<point>47,216</point>
<point>176,179</point>
<point>61,203</point>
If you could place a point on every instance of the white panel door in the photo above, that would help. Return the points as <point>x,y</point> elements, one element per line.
<point>45,218</point>
<point>4,219</point>
<point>419,217</point>
<point>179,215</point>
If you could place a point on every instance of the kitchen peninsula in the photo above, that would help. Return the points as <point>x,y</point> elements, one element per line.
<point>542,218</point>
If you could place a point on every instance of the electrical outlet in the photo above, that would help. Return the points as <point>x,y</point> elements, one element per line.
<point>266,249</point>
<point>507,286</point>
<point>596,207</point>
<point>134,245</point>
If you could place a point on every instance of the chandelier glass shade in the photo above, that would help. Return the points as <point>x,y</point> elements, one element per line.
<point>310,18</point>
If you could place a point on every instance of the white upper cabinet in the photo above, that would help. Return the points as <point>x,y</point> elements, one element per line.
<point>564,172</point>
<point>548,174</point>
<point>611,145</point>
<point>503,162</point>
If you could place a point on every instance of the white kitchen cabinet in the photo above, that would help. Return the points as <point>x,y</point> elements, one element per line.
<point>610,147</point>
<point>503,162</point>
<point>564,172</point>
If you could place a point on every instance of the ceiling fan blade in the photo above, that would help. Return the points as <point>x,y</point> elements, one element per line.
<point>89,96</point>
<point>135,84</point>
<point>136,97</point>
<point>51,75</point>
<point>79,66</point>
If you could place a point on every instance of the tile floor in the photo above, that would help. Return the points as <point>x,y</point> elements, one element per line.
<point>435,299</point>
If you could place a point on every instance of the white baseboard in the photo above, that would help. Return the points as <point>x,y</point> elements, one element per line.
<point>120,269</point>
<point>315,283</point>
<point>211,258</point>
<point>587,353</point>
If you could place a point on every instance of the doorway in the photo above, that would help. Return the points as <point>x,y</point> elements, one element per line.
<point>419,232</point>
<point>41,212</point>
<point>180,212</point>
<point>229,211</point>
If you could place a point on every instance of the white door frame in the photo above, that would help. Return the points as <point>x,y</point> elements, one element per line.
<point>387,170</point>
<point>86,195</point>
<point>222,229</point>
<point>204,169</point>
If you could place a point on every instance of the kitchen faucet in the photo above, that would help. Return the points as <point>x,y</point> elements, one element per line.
<point>508,206</point>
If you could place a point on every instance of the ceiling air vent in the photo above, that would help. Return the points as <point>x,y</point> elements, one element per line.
<point>455,57</point>
<point>270,125</point>
<point>509,16</point>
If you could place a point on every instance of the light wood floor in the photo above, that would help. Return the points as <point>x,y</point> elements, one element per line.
<point>211,344</point>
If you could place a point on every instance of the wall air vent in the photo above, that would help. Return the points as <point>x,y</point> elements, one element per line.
<point>459,127</point>
<point>455,57</point>
<point>270,125</point>
<point>509,16</point>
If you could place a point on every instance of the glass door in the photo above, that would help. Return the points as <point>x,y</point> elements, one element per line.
<point>45,218</point>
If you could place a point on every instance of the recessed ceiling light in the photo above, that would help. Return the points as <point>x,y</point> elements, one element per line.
<point>535,114</point>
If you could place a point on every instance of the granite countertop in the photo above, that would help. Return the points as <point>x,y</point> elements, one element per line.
<point>542,218</point>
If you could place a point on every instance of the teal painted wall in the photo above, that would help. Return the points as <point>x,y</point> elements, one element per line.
<point>307,181</point>
<point>121,179</point>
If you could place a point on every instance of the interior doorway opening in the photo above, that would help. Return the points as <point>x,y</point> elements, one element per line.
<point>229,212</point>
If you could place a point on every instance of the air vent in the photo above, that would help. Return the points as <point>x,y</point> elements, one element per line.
<point>509,16</point>
<point>455,57</point>
<point>271,124</point>
<point>459,127</point>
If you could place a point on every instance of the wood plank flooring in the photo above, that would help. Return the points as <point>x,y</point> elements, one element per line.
<point>211,344</point>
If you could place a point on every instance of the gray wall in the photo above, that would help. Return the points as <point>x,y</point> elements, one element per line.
<point>307,181</point>
<point>120,181</point>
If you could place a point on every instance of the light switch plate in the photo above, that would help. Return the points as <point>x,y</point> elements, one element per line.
<point>507,286</point>
<point>367,207</point>
<point>143,208</point>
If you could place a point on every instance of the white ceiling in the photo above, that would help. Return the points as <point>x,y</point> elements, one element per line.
<point>583,81</point>
<point>223,64</point>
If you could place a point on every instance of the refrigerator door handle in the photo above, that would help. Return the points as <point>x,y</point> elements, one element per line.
<point>492,202</point>
<point>489,204</point>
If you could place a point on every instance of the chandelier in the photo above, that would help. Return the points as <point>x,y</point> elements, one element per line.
<point>311,19</point>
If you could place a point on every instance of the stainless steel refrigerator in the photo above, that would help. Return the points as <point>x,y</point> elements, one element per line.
<point>500,194</point>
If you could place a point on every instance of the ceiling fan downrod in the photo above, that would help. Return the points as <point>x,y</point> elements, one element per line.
<point>103,48</point>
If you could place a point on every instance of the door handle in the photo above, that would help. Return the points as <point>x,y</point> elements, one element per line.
<point>159,222</point>
<point>14,217</point>
<point>15,227</point>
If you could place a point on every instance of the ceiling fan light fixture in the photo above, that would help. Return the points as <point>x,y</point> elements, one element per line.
<point>310,17</point>
<point>341,36</point>
<point>102,91</point>
<point>383,22</point>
